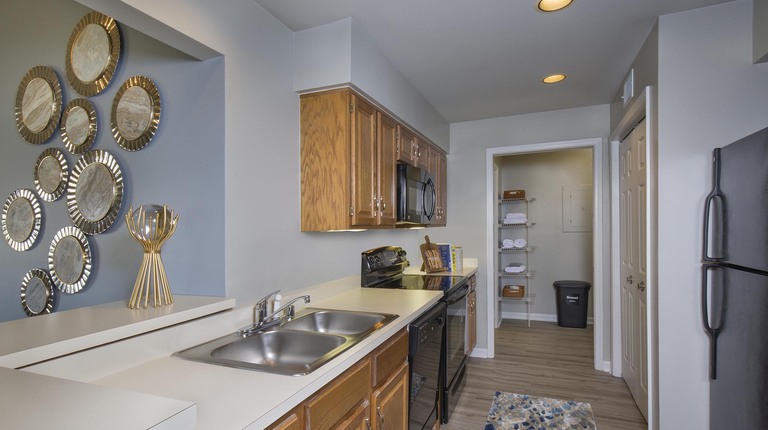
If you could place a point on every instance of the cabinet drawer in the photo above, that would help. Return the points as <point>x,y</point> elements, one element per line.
<point>339,397</point>
<point>389,357</point>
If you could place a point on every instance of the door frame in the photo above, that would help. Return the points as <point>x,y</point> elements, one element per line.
<point>599,250</point>
<point>644,106</point>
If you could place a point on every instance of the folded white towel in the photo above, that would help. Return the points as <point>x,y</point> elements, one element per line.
<point>515,220</point>
<point>515,268</point>
<point>519,243</point>
<point>507,243</point>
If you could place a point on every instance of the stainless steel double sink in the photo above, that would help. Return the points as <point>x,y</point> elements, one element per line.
<point>294,347</point>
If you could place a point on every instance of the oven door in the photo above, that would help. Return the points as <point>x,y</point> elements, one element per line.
<point>456,322</point>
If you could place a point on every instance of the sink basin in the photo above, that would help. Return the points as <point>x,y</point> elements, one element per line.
<point>294,347</point>
<point>279,351</point>
<point>338,322</point>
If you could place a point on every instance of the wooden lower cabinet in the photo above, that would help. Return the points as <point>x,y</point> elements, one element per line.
<point>293,420</point>
<point>390,402</point>
<point>471,340</point>
<point>371,395</point>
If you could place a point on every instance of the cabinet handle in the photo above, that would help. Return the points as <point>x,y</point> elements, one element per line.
<point>381,416</point>
<point>368,423</point>
<point>629,279</point>
<point>641,286</point>
<point>375,205</point>
<point>383,205</point>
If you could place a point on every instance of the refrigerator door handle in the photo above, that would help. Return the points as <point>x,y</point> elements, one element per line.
<point>716,193</point>
<point>712,332</point>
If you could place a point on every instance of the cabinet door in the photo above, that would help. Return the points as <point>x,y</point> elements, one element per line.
<point>422,154</point>
<point>406,146</point>
<point>387,170</point>
<point>471,321</point>
<point>363,177</point>
<point>438,164</point>
<point>292,421</point>
<point>390,402</point>
<point>359,420</point>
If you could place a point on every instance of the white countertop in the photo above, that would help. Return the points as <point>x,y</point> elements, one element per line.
<point>469,267</point>
<point>31,340</point>
<point>43,402</point>
<point>228,398</point>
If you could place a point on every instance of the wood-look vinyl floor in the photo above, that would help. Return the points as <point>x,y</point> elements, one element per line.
<point>548,361</point>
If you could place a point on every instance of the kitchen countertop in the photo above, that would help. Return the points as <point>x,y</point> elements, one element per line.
<point>235,398</point>
<point>30,340</point>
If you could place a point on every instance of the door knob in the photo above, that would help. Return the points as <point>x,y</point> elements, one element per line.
<point>641,286</point>
<point>629,279</point>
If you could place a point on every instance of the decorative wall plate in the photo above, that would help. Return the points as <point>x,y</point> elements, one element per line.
<point>51,174</point>
<point>38,104</point>
<point>37,294</point>
<point>69,260</point>
<point>92,53</point>
<point>21,219</point>
<point>95,191</point>
<point>78,126</point>
<point>135,113</point>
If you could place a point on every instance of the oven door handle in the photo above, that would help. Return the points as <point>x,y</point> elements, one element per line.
<point>460,294</point>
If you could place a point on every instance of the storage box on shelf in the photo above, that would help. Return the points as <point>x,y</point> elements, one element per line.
<point>516,286</point>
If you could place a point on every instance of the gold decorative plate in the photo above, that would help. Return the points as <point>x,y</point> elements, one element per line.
<point>21,219</point>
<point>51,174</point>
<point>95,191</point>
<point>135,113</point>
<point>38,104</point>
<point>37,294</point>
<point>92,53</point>
<point>69,260</point>
<point>78,126</point>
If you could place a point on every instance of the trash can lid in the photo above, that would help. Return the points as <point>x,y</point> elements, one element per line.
<point>582,284</point>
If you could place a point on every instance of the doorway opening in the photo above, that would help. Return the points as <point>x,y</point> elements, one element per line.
<point>522,164</point>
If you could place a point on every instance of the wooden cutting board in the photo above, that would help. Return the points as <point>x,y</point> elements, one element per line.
<point>431,257</point>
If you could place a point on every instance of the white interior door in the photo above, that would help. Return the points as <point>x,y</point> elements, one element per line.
<point>633,222</point>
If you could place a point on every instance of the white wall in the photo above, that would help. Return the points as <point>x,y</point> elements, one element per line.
<point>557,255</point>
<point>466,180</point>
<point>710,94</point>
<point>342,53</point>
<point>264,249</point>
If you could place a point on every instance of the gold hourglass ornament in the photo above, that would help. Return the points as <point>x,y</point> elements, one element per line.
<point>151,226</point>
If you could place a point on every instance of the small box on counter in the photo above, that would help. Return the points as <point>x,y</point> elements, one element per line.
<point>452,256</point>
<point>513,291</point>
<point>514,194</point>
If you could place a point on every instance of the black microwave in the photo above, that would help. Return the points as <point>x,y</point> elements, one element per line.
<point>416,198</point>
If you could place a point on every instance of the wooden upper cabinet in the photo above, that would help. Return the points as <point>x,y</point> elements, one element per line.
<point>437,166</point>
<point>364,175</point>
<point>348,156</point>
<point>407,147</point>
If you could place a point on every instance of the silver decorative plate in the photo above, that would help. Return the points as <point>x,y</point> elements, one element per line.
<point>135,113</point>
<point>69,260</point>
<point>92,53</point>
<point>95,191</point>
<point>21,219</point>
<point>37,294</point>
<point>78,126</point>
<point>38,104</point>
<point>51,174</point>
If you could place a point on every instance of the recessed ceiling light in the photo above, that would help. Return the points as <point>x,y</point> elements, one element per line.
<point>553,5</point>
<point>553,79</point>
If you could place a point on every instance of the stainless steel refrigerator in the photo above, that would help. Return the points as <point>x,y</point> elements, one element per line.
<point>735,284</point>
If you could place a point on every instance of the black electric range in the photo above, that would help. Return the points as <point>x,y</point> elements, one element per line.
<point>383,268</point>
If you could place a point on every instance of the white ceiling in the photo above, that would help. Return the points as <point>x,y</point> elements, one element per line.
<point>476,59</point>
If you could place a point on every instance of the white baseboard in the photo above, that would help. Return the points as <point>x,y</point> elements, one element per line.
<point>480,353</point>
<point>606,367</point>
<point>535,317</point>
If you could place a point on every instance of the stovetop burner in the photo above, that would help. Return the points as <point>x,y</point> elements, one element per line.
<point>383,268</point>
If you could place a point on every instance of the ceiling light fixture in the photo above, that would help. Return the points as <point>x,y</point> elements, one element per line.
<point>553,79</point>
<point>553,5</point>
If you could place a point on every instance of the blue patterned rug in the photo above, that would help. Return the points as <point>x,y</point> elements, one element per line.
<point>521,412</point>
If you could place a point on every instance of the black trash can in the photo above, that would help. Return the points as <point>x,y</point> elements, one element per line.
<point>572,303</point>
